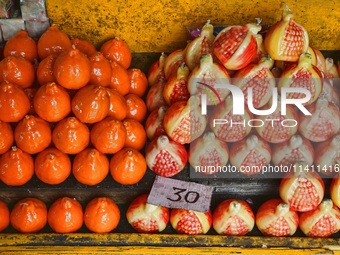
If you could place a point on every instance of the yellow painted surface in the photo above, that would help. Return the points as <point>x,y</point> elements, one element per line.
<point>160,25</point>
<point>154,250</point>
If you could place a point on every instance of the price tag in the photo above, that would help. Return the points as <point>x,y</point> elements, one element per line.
<point>180,194</point>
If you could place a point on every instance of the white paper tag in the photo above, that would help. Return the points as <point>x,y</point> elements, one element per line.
<point>173,193</point>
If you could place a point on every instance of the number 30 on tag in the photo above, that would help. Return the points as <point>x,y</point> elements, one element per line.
<point>180,194</point>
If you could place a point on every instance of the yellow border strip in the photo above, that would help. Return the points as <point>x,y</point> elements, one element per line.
<point>153,250</point>
<point>116,239</point>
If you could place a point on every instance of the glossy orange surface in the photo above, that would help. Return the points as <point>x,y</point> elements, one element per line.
<point>139,82</point>
<point>100,70</point>
<point>33,134</point>
<point>118,107</point>
<point>14,102</point>
<point>52,166</point>
<point>29,215</point>
<point>65,215</point>
<point>117,50</point>
<point>108,136</point>
<point>30,92</point>
<point>84,46</point>
<point>91,104</point>
<point>136,107</point>
<point>4,216</point>
<point>101,215</point>
<point>135,134</point>
<point>45,70</point>
<point>6,137</point>
<point>18,71</point>
<point>53,42</point>
<point>16,167</point>
<point>52,102</point>
<point>21,45</point>
<point>72,69</point>
<point>120,79</point>
<point>128,166</point>
<point>71,136</point>
<point>90,167</point>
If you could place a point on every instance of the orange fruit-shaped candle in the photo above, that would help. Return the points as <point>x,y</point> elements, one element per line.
<point>30,92</point>
<point>18,71</point>
<point>52,166</point>
<point>21,45</point>
<point>128,166</point>
<point>6,137</point>
<point>139,82</point>
<point>117,50</point>
<point>100,70</point>
<point>71,136</point>
<point>4,216</point>
<point>91,104</point>
<point>101,215</point>
<point>65,215</point>
<point>29,215</point>
<point>84,46</point>
<point>33,134</point>
<point>72,69</point>
<point>118,107</point>
<point>53,42</point>
<point>52,102</point>
<point>45,70</point>
<point>120,79</point>
<point>135,134</point>
<point>16,167</point>
<point>108,136</point>
<point>90,167</point>
<point>14,102</point>
<point>136,107</point>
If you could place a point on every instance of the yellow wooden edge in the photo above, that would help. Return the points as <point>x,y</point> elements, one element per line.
<point>154,250</point>
<point>160,25</point>
<point>116,239</point>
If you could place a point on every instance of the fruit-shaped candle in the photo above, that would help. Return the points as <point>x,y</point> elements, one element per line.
<point>296,149</point>
<point>166,157</point>
<point>286,40</point>
<point>208,153</point>
<point>259,78</point>
<point>155,96</point>
<point>190,222</point>
<point>275,127</point>
<point>173,62</point>
<point>183,121</point>
<point>154,125</point>
<point>200,46</point>
<point>234,218</point>
<point>210,74</point>
<point>323,123</point>
<point>327,154</point>
<point>250,154</point>
<point>261,51</point>
<point>236,46</point>
<point>331,69</point>
<point>302,188</point>
<point>234,127</point>
<point>276,218</point>
<point>176,88</point>
<point>147,218</point>
<point>91,104</point>
<point>156,71</point>
<point>302,75</point>
<point>331,93</point>
<point>323,221</point>
<point>72,69</point>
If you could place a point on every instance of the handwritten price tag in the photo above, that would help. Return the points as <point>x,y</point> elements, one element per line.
<point>180,194</point>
